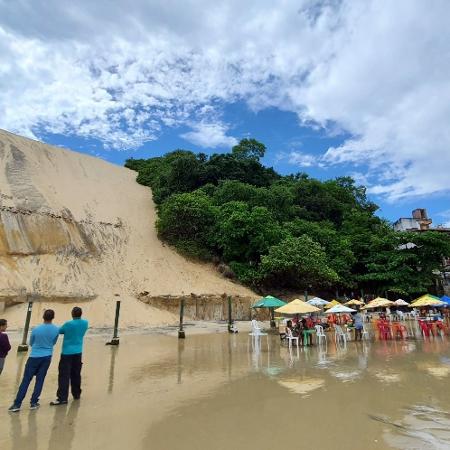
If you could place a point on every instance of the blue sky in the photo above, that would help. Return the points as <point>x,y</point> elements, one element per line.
<point>283,135</point>
<point>332,87</point>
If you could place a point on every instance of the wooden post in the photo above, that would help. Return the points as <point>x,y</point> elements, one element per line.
<point>115,340</point>
<point>23,347</point>
<point>181,333</point>
<point>230,318</point>
<point>272,318</point>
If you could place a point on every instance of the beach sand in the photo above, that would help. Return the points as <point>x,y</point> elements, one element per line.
<point>75,229</point>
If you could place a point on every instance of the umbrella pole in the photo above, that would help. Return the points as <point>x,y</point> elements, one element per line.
<point>272,318</point>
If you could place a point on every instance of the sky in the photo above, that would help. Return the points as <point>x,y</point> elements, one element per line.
<point>332,87</point>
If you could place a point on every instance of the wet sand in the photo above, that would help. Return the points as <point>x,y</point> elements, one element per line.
<point>216,391</point>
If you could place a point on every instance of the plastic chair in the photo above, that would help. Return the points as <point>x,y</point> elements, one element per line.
<point>339,335</point>
<point>290,337</point>
<point>384,331</point>
<point>426,330</point>
<point>441,328</point>
<point>256,328</point>
<point>321,336</point>
<point>399,329</point>
<point>365,333</point>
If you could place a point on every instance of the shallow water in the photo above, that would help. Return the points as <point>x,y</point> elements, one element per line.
<point>220,392</point>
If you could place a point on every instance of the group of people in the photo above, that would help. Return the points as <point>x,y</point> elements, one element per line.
<point>297,326</point>
<point>42,341</point>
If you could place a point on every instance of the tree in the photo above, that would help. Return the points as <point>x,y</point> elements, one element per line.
<point>337,247</point>
<point>243,233</point>
<point>249,149</point>
<point>297,262</point>
<point>187,220</point>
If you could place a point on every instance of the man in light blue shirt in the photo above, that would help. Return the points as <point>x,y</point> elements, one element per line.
<point>71,358</point>
<point>43,339</point>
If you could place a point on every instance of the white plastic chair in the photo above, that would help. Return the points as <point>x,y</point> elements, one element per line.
<point>340,335</point>
<point>290,337</point>
<point>256,328</point>
<point>321,336</point>
<point>365,333</point>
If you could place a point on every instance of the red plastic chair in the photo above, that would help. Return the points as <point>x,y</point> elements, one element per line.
<point>425,328</point>
<point>399,330</point>
<point>441,328</point>
<point>384,331</point>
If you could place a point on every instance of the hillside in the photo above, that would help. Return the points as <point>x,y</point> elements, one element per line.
<point>74,228</point>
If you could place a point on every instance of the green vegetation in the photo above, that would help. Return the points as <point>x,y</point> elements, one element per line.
<point>284,231</point>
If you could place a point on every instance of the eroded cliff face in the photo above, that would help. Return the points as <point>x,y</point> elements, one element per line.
<point>45,252</point>
<point>49,256</point>
<point>75,228</point>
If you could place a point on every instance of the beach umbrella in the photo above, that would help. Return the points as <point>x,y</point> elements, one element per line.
<point>339,309</point>
<point>446,300</point>
<point>317,301</point>
<point>271,303</point>
<point>426,300</point>
<point>331,304</point>
<point>401,302</point>
<point>379,302</point>
<point>354,303</point>
<point>297,307</point>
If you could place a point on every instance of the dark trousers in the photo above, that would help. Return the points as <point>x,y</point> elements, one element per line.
<point>35,367</point>
<point>69,373</point>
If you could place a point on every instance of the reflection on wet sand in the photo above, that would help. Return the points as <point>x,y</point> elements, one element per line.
<point>24,436</point>
<point>63,426</point>
<point>213,391</point>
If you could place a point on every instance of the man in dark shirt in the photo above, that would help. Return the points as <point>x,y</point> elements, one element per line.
<point>5,346</point>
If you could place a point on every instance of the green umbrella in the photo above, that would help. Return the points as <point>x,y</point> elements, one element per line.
<point>269,302</point>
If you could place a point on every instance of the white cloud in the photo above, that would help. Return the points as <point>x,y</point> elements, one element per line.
<point>209,135</point>
<point>121,71</point>
<point>303,159</point>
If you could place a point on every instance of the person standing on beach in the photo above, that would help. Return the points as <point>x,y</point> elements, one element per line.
<point>43,339</point>
<point>71,358</point>
<point>359,325</point>
<point>5,346</point>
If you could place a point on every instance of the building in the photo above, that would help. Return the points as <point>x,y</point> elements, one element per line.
<point>418,222</point>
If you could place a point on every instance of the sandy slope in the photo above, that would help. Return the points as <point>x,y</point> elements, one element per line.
<point>74,228</point>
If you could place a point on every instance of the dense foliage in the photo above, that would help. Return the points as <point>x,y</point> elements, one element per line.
<point>284,231</point>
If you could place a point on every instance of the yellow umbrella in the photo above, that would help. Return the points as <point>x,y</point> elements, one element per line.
<point>426,300</point>
<point>297,307</point>
<point>331,304</point>
<point>379,302</point>
<point>354,302</point>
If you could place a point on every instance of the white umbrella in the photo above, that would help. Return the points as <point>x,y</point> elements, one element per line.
<point>401,302</point>
<point>317,301</point>
<point>340,309</point>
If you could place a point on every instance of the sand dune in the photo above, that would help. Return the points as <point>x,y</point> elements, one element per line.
<point>74,228</point>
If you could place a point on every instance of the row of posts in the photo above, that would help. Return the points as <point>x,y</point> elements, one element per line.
<point>23,347</point>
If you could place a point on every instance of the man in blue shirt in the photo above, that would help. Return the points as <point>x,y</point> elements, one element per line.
<point>43,339</point>
<point>70,363</point>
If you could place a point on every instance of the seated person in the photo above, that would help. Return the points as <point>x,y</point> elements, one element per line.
<point>289,328</point>
<point>306,327</point>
